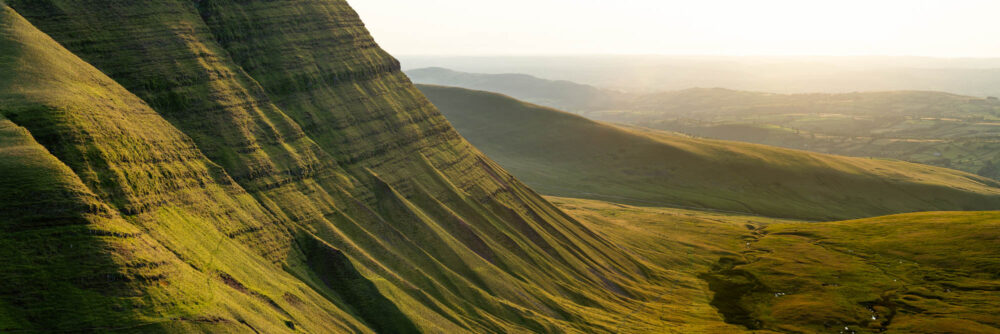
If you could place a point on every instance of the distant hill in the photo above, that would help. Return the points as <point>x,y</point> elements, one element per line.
<point>562,154</point>
<point>935,128</point>
<point>555,93</point>
<point>774,74</point>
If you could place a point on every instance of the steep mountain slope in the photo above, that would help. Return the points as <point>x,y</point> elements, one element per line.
<point>121,225</point>
<point>567,155</point>
<point>284,176</point>
<point>150,257</point>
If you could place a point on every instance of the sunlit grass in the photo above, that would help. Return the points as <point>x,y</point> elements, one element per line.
<point>932,272</point>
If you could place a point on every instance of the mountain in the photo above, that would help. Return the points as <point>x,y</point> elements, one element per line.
<point>263,166</point>
<point>935,128</point>
<point>564,154</point>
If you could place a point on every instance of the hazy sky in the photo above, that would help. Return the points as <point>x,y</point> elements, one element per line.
<point>948,28</point>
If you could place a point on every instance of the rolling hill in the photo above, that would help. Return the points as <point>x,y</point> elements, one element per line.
<point>928,127</point>
<point>563,154</point>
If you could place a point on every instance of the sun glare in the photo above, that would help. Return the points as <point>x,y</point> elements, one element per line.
<point>957,28</point>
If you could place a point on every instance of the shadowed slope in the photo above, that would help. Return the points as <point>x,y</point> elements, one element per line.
<point>564,154</point>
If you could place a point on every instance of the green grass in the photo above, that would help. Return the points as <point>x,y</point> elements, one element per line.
<point>930,272</point>
<point>562,154</point>
<point>933,272</point>
<point>678,245</point>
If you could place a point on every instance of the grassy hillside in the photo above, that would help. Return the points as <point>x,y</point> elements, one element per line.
<point>912,273</point>
<point>114,219</point>
<point>241,166</point>
<point>563,154</point>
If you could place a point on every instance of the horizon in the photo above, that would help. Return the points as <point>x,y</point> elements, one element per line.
<point>686,55</point>
<point>772,28</point>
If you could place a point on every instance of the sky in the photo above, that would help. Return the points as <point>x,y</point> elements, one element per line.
<point>933,28</point>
